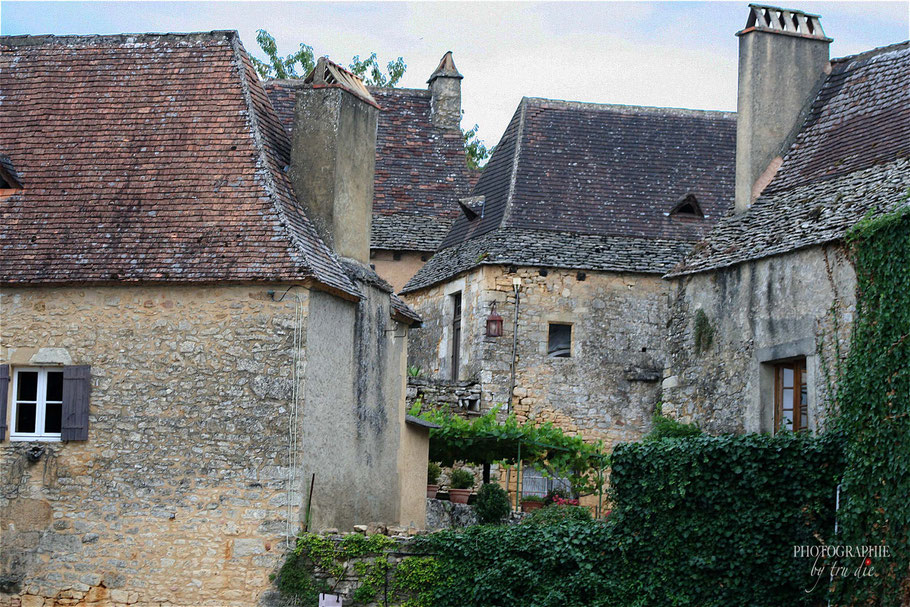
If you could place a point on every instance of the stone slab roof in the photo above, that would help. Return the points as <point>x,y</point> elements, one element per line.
<point>553,250</point>
<point>593,186</point>
<point>850,158</point>
<point>148,158</point>
<point>420,168</point>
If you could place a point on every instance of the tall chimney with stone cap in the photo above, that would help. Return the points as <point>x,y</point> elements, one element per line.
<point>783,58</point>
<point>445,90</point>
<point>333,157</point>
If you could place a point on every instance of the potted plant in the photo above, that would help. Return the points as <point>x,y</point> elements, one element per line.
<point>433,472</point>
<point>461,483</point>
<point>530,503</point>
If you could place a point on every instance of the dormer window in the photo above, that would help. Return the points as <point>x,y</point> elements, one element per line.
<point>687,207</point>
<point>9,179</point>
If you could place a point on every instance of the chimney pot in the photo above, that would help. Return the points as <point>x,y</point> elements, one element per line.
<point>783,58</point>
<point>445,90</point>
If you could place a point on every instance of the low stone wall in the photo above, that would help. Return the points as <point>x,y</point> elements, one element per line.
<point>460,396</point>
<point>443,514</point>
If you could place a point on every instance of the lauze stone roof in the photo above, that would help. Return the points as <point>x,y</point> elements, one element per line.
<point>591,186</point>
<point>148,158</point>
<point>851,158</point>
<point>420,168</point>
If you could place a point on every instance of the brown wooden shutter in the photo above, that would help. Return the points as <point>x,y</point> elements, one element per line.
<point>76,388</point>
<point>4,396</point>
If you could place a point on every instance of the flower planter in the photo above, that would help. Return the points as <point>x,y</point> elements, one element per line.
<point>432,490</point>
<point>459,496</point>
<point>531,506</point>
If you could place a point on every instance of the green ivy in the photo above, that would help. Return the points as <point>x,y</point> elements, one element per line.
<point>696,522</point>
<point>873,400</point>
<point>409,584</point>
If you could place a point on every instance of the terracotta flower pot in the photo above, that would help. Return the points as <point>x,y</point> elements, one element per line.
<point>531,506</point>
<point>431,491</point>
<point>459,496</point>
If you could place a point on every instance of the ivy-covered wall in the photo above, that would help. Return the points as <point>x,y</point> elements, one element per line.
<point>874,421</point>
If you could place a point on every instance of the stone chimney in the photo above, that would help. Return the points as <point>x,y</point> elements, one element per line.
<point>783,58</point>
<point>333,157</point>
<point>445,88</point>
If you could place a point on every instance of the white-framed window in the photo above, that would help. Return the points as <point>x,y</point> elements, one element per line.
<point>37,404</point>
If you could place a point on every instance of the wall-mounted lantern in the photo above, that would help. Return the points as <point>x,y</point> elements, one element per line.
<point>494,323</point>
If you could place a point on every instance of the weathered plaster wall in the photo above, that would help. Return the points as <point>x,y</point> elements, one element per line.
<point>414,454</point>
<point>760,311</point>
<point>608,388</point>
<point>354,417</point>
<point>397,271</point>
<point>180,494</point>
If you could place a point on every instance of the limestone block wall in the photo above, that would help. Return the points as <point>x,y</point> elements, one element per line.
<point>609,387</point>
<point>181,494</point>
<point>765,310</point>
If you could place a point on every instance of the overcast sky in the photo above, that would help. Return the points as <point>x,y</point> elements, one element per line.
<point>677,54</point>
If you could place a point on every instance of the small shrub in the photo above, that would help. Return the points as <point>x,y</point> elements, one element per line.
<point>536,499</point>
<point>461,479</point>
<point>492,504</point>
<point>552,515</point>
<point>433,472</point>
<point>665,427</point>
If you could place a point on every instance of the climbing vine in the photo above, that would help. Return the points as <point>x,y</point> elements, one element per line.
<point>874,412</point>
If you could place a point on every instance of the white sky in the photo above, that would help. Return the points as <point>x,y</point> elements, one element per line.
<point>679,54</point>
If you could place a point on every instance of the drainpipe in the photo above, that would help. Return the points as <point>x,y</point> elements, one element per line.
<point>516,286</point>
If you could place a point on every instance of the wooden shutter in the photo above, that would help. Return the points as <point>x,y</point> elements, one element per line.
<point>4,396</point>
<point>76,388</point>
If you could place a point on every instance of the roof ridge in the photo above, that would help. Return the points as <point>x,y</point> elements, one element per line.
<point>619,107</point>
<point>48,39</point>
<point>879,50</point>
<point>516,158</point>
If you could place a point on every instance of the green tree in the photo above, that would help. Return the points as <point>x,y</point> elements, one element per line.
<point>287,67</point>
<point>475,151</point>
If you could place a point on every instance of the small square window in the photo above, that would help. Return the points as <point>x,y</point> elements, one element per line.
<point>559,342</point>
<point>37,412</point>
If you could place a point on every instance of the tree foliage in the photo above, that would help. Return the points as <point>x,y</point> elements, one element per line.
<point>302,62</point>
<point>476,151</point>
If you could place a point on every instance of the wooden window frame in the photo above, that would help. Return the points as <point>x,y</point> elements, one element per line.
<point>457,306</point>
<point>40,406</point>
<point>798,366</point>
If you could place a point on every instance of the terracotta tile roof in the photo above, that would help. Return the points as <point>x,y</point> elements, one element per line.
<point>851,157</point>
<point>420,169</point>
<point>147,158</point>
<point>608,174</point>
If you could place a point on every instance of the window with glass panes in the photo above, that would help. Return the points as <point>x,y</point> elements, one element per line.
<point>791,396</point>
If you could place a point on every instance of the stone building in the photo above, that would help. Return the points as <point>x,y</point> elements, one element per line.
<point>195,357</point>
<point>762,307</point>
<point>420,168</point>
<point>583,207</point>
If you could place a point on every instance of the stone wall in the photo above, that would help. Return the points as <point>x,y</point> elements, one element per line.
<point>771,309</point>
<point>460,396</point>
<point>181,494</point>
<point>609,387</point>
<point>198,465</point>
